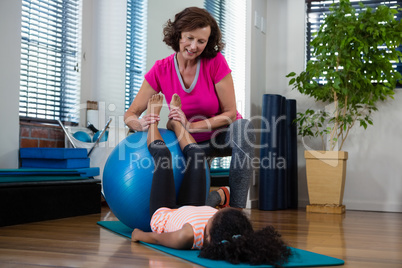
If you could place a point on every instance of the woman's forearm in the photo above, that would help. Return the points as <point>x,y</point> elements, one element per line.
<point>212,123</point>
<point>137,107</point>
<point>132,121</point>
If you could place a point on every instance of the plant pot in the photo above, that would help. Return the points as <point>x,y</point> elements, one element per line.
<point>326,173</point>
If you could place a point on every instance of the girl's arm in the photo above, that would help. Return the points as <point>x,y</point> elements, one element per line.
<point>181,239</point>
<point>227,101</point>
<point>138,106</point>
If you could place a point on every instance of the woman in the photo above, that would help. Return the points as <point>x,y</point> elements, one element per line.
<point>185,223</point>
<point>200,75</point>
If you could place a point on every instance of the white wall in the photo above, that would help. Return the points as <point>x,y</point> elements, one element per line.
<point>374,172</point>
<point>103,58</point>
<point>88,53</point>
<point>256,84</point>
<point>10,50</point>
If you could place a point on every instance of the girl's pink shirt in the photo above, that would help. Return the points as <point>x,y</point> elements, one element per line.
<point>200,101</point>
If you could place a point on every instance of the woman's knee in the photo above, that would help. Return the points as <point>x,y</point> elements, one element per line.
<point>242,132</point>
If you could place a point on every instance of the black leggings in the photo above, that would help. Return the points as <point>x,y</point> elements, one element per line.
<point>193,187</point>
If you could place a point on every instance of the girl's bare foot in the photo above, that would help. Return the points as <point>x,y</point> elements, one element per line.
<point>175,102</point>
<point>154,107</point>
<point>177,126</point>
<point>155,104</point>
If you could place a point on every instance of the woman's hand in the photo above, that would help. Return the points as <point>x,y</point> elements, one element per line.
<point>148,119</point>
<point>141,124</point>
<point>139,105</point>
<point>178,115</point>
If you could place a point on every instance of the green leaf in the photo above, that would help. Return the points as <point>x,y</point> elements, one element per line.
<point>291,74</point>
<point>292,81</point>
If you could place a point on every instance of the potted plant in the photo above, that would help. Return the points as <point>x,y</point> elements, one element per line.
<point>352,73</point>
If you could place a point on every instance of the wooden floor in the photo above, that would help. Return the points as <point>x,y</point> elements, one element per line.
<point>362,239</point>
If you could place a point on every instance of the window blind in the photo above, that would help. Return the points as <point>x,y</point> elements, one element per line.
<point>231,18</point>
<point>136,48</point>
<point>50,59</point>
<point>218,10</point>
<point>316,10</point>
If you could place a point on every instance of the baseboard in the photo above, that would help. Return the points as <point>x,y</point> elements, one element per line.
<point>364,206</point>
<point>252,203</point>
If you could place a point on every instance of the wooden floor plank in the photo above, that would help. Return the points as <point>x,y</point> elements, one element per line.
<point>362,239</point>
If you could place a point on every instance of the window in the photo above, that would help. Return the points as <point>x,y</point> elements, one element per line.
<point>136,47</point>
<point>316,11</point>
<point>50,59</point>
<point>231,18</point>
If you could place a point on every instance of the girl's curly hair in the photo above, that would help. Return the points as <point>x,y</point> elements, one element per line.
<point>233,239</point>
<point>190,19</point>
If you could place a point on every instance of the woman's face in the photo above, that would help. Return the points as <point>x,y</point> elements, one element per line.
<point>193,43</point>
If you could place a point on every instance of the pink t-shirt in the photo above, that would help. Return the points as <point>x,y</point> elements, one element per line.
<point>200,100</point>
<point>167,220</point>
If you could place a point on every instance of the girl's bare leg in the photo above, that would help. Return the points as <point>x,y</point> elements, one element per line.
<point>154,107</point>
<point>193,187</point>
<point>163,193</point>
<point>183,136</point>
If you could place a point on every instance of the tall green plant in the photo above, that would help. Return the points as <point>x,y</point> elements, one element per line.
<point>354,54</point>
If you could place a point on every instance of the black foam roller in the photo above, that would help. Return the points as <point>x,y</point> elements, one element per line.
<point>291,154</point>
<point>271,193</point>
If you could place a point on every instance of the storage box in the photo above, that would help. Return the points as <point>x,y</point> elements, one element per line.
<point>24,202</point>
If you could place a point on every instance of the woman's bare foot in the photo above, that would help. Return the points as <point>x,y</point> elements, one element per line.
<point>155,104</point>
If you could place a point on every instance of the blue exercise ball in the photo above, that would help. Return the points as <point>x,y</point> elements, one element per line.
<point>104,137</point>
<point>82,136</point>
<point>128,173</point>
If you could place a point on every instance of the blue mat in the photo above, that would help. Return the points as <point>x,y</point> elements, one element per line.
<point>14,179</point>
<point>72,163</point>
<point>53,153</point>
<point>300,258</point>
<point>85,172</point>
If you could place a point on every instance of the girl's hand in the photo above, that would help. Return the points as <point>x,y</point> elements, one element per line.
<point>135,235</point>
<point>180,239</point>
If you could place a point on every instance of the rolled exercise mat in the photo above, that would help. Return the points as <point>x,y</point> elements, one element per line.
<point>291,154</point>
<point>271,153</point>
